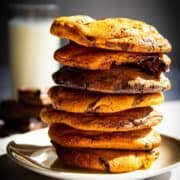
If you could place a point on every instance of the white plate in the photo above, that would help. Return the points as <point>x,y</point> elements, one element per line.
<point>45,161</point>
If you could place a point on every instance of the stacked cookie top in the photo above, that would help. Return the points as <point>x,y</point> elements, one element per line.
<point>101,115</point>
<point>119,34</point>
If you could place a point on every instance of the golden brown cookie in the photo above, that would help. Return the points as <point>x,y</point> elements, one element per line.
<point>114,161</point>
<point>66,136</point>
<point>78,101</point>
<point>122,79</point>
<point>75,55</point>
<point>112,33</point>
<point>129,120</point>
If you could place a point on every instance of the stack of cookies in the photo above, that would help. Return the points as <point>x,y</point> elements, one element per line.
<point>101,116</point>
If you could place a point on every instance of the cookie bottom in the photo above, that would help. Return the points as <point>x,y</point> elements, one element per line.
<point>114,161</point>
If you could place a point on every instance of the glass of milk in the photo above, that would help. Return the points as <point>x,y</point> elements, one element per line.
<point>31,46</point>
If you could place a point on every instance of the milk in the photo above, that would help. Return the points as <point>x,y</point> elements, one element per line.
<point>31,53</point>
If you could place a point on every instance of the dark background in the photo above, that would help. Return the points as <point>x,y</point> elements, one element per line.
<point>163,14</point>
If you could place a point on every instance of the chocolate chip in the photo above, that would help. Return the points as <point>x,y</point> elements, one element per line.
<point>90,38</point>
<point>104,163</point>
<point>137,100</point>
<point>124,46</point>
